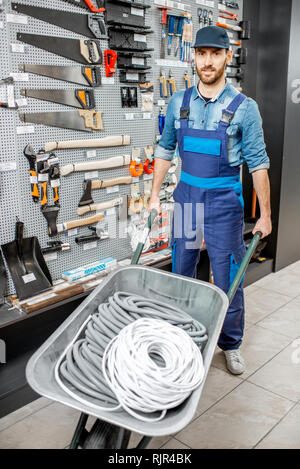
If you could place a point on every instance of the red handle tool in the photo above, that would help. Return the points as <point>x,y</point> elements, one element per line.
<point>228,15</point>
<point>110,61</point>
<point>93,8</point>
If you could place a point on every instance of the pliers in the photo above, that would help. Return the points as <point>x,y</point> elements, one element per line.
<point>228,15</point>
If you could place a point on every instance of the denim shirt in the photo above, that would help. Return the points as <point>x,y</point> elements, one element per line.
<point>246,138</point>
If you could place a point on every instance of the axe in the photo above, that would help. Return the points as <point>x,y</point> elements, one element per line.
<point>51,214</point>
<point>89,184</point>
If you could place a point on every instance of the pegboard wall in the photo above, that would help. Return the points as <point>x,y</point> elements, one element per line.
<point>15,197</point>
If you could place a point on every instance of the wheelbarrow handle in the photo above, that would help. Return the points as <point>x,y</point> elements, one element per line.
<point>140,246</point>
<point>243,267</point>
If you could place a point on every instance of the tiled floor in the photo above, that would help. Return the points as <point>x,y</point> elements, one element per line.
<point>260,409</point>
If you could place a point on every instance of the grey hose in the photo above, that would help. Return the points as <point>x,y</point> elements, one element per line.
<point>82,367</point>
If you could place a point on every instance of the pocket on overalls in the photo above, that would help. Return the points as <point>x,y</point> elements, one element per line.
<point>236,260</point>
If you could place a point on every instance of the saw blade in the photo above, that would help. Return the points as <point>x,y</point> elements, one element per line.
<point>83,99</point>
<point>65,120</point>
<point>87,76</point>
<point>91,25</point>
<point>82,51</point>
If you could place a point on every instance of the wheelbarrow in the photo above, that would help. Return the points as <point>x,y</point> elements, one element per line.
<point>203,301</point>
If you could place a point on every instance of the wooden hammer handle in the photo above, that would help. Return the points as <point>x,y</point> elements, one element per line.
<point>96,184</point>
<point>101,206</point>
<point>114,141</point>
<point>69,225</point>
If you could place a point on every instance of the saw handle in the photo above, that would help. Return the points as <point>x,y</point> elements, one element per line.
<point>85,98</point>
<point>92,119</point>
<point>93,8</point>
<point>92,75</point>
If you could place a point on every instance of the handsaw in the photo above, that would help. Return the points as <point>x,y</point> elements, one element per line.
<point>91,25</point>
<point>83,99</point>
<point>82,51</point>
<point>81,75</point>
<point>82,119</point>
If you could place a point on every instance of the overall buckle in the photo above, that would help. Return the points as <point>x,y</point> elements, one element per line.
<point>184,113</point>
<point>227,116</point>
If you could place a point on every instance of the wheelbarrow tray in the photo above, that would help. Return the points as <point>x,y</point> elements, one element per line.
<point>203,301</point>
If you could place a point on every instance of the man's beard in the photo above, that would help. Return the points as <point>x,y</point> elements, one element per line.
<point>216,75</point>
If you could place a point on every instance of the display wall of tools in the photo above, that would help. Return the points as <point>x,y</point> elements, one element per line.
<point>46,56</point>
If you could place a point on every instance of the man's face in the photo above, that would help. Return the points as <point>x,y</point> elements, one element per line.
<point>211,63</point>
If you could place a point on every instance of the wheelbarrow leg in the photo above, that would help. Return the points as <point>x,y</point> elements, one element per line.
<point>80,432</point>
<point>144,442</point>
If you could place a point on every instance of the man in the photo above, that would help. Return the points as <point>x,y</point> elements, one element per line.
<point>217,129</point>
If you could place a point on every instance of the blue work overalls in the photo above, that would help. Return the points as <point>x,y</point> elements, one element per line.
<point>208,182</point>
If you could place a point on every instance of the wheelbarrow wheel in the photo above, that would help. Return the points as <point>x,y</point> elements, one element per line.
<point>104,435</point>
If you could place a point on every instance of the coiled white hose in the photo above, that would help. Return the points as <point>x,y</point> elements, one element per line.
<point>140,383</point>
<point>79,369</point>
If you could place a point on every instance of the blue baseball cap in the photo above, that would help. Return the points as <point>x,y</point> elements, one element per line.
<point>212,36</point>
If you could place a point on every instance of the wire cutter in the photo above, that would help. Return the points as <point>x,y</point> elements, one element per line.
<point>229,15</point>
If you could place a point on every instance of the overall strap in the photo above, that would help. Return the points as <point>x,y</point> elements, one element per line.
<point>228,113</point>
<point>185,108</point>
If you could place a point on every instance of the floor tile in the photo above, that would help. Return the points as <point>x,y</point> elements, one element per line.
<point>250,289</point>
<point>258,347</point>
<point>285,320</point>
<point>285,283</point>
<point>218,384</point>
<point>24,412</point>
<point>239,420</point>
<point>261,303</point>
<point>282,374</point>
<point>174,444</point>
<point>50,428</point>
<point>286,434</point>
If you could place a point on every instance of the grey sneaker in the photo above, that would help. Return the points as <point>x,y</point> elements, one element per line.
<point>235,362</point>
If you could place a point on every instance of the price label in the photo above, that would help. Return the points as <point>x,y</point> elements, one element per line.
<point>17,19</point>
<point>129,117</point>
<point>43,177</point>
<point>112,189</point>
<point>108,80</point>
<point>20,76</point>
<point>18,48</point>
<point>28,278</point>
<point>9,166</point>
<point>138,61</point>
<point>33,180</point>
<point>21,102</point>
<point>137,11</point>
<point>148,177</point>
<point>147,115</point>
<point>51,256</point>
<point>88,246</point>
<point>140,38</point>
<point>26,129</point>
<point>161,102</point>
<point>132,76</point>
<point>73,232</point>
<point>91,175</point>
<point>91,153</point>
<point>1,25</point>
<point>10,96</point>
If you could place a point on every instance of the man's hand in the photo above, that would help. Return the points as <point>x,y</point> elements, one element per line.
<point>154,204</point>
<point>264,225</point>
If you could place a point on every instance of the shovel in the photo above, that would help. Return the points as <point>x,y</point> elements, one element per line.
<point>26,264</point>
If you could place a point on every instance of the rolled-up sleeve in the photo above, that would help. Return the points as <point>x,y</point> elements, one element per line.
<point>253,143</point>
<point>167,144</point>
